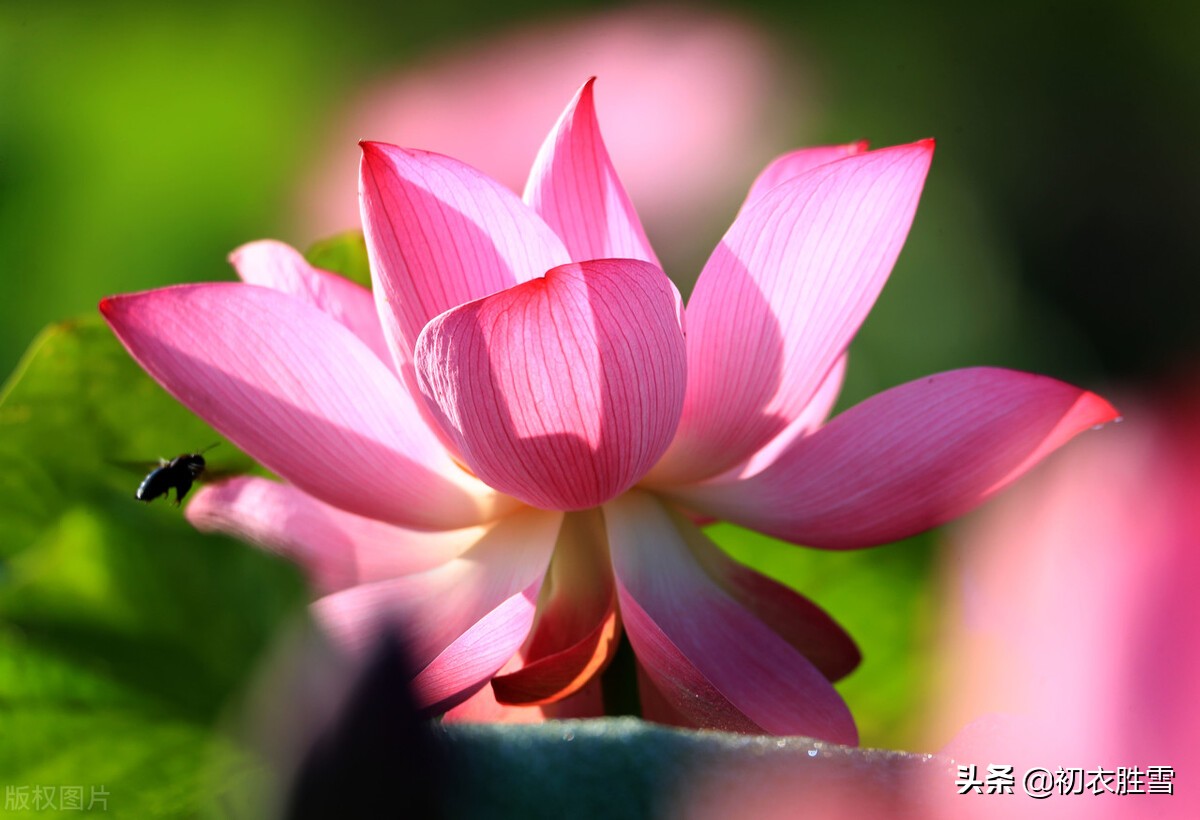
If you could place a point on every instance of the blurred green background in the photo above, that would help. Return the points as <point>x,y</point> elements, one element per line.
<point>139,143</point>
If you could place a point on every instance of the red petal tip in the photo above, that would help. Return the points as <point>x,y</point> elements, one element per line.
<point>1101,409</point>
<point>371,148</point>
<point>586,94</point>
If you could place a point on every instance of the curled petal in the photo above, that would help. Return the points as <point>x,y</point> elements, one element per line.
<point>275,265</point>
<point>795,163</point>
<point>464,618</point>
<point>562,391</point>
<point>336,549</point>
<point>302,395</point>
<point>482,707</point>
<point>781,298</point>
<point>439,234</point>
<point>907,459</point>
<point>465,665</point>
<point>714,662</point>
<point>576,631</point>
<point>575,188</point>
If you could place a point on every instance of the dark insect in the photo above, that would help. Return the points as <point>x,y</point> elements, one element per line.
<point>179,473</point>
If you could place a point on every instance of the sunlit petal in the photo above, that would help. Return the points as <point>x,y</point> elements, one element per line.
<point>795,163</point>
<point>562,391</point>
<point>335,548</point>
<point>275,265</point>
<point>714,661</point>
<point>575,188</point>
<point>304,396</point>
<point>906,459</point>
<point>781,298</point>
<point>440,233</point>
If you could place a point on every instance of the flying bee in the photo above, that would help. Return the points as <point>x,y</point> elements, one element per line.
<point>179,473</point>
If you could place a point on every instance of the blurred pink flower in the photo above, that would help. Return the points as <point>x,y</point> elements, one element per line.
<point>1076,645</point>
<point>500,450</point>
<point>488,102</point>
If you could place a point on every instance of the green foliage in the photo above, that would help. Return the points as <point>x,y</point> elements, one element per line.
<point>144,142</point>
<point>124,633</point>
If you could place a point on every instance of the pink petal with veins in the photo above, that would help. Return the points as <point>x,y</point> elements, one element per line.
<point>907,459</point>
<point>275,265</point>
<point>302,395</point>
<point>575,188</point>
<point>562,391</point>
<point>336,549</point>
<point>439,234</point>
<point>810,419</point>
<point>800,622</point>
<point>781,298</point>
<point>795,163</point>
<point>463,619</point>
<point>475,654</point>
<point>713,660</point>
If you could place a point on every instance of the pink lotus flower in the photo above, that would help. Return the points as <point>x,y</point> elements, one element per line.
<point>503,449</point>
